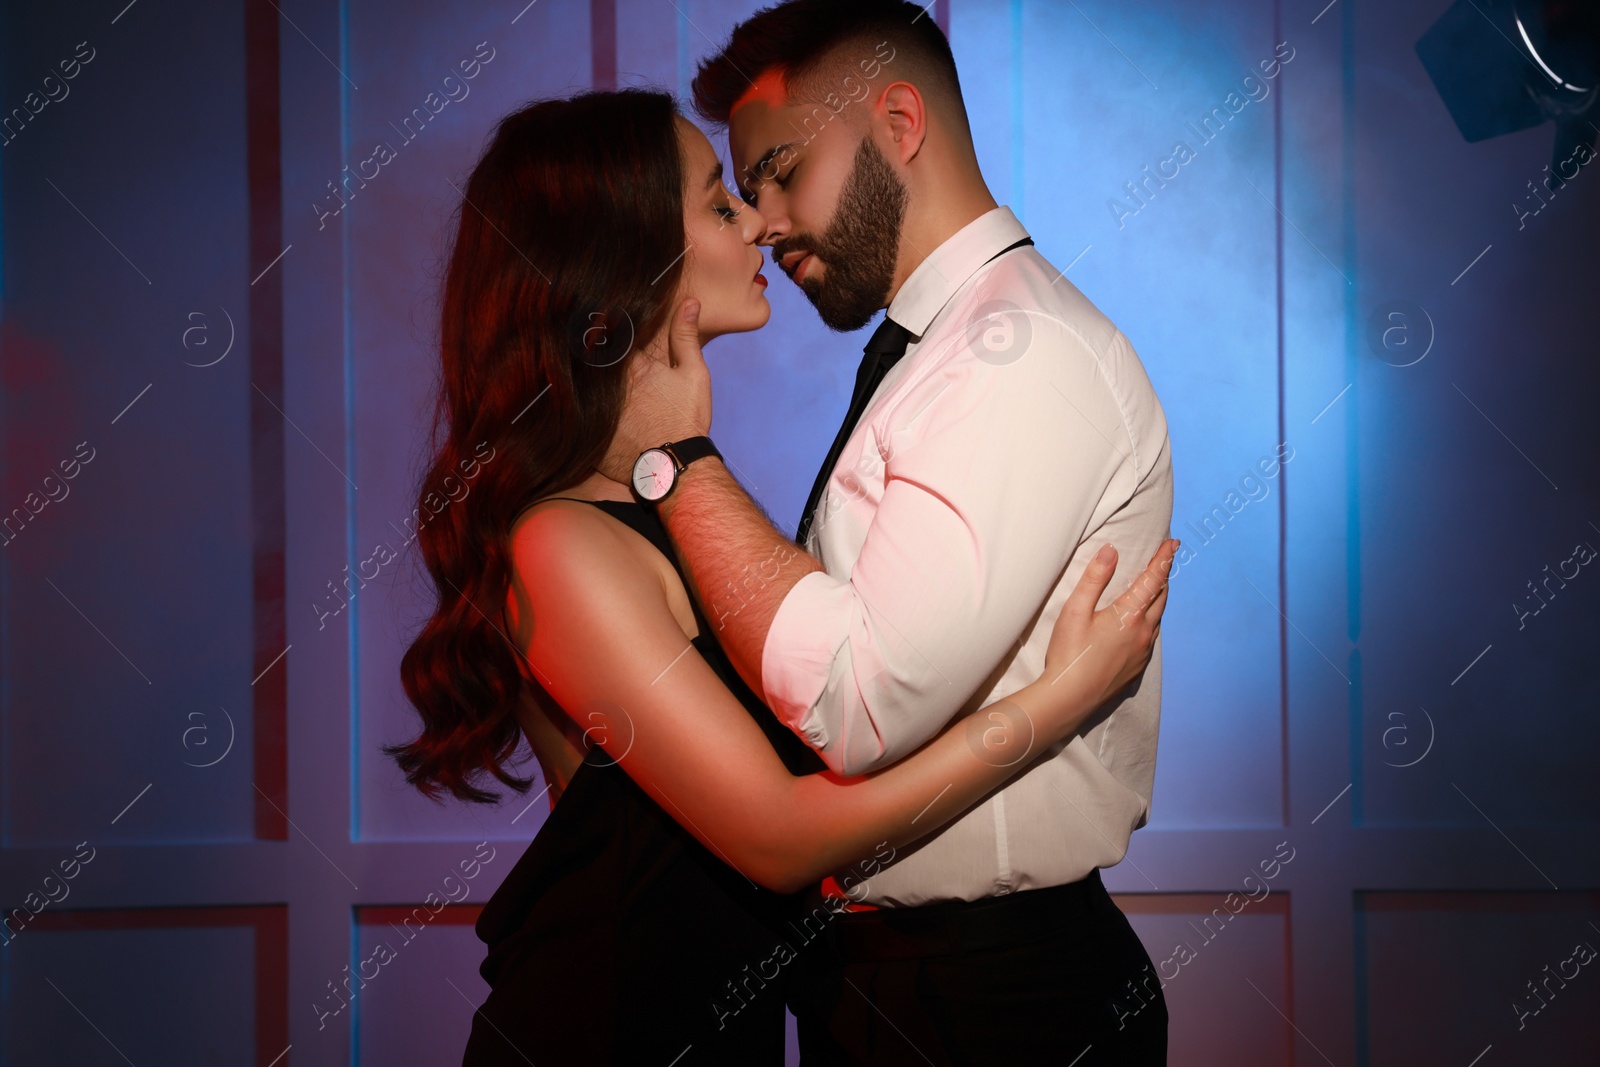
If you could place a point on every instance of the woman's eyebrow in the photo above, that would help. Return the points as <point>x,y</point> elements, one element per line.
<point>716,173</point>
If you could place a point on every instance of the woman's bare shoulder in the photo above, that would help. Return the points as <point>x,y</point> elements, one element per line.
<point>562,533</point>
<point>575,545</point>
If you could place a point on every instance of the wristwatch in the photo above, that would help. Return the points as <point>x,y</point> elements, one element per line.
<point>655,472</point>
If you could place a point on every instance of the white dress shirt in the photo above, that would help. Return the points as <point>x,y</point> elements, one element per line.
<point>1017,435</point>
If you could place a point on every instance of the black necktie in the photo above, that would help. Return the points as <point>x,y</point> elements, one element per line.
<point>884,349</point>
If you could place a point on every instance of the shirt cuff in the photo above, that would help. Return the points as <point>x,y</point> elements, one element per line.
<point>803,642</point>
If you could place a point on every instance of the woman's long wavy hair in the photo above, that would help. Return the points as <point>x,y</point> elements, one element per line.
<point>568,246</point>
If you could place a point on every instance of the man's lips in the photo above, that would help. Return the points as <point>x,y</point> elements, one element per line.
<point>799,267</point>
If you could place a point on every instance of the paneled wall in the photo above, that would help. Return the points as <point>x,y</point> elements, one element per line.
<point>1373,832</point>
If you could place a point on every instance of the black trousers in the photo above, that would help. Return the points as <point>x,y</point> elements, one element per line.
<point>1068,985</point>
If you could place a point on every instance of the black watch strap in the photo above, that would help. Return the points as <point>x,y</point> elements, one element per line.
<point>690,449</point>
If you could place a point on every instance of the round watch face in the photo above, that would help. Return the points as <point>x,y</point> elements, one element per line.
<point>653,473</point>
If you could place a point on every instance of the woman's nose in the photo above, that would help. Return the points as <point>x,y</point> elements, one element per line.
<point>758,227</point>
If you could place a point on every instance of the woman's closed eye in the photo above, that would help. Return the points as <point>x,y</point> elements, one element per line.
<point>731,206</point>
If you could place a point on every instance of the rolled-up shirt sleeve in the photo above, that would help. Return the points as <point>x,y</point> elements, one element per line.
<point>992,473</point>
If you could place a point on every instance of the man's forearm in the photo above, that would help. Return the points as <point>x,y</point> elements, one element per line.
<point>740,566</point>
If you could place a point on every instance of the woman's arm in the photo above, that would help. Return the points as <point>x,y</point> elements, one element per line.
<point>605,641</point>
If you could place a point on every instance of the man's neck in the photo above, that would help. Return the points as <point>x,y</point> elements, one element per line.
<point>931,225</point>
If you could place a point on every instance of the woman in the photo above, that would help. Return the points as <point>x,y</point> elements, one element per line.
<point>685,819</point>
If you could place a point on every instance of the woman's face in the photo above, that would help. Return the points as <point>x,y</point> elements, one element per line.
<point>722,267</point>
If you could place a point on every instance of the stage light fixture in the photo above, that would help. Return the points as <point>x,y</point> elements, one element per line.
<point>1508,65</point>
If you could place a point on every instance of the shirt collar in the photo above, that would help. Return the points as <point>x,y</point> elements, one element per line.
<point>936,279</point>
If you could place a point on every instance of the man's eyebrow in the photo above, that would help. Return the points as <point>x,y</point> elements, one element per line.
<point>716,172</point>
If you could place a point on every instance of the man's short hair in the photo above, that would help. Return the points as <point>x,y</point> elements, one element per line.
<point>814,45</point>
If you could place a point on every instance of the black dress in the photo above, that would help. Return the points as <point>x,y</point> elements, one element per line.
<point>618,938</point>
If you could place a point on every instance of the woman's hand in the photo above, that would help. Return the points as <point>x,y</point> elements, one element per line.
<point>1099,652</point>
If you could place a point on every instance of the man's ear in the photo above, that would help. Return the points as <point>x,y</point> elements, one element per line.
<point>905,115</point>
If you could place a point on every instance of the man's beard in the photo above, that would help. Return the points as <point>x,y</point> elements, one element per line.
<point>860,245</point>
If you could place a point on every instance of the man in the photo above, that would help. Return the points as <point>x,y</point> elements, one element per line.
<point>1003,430</point>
